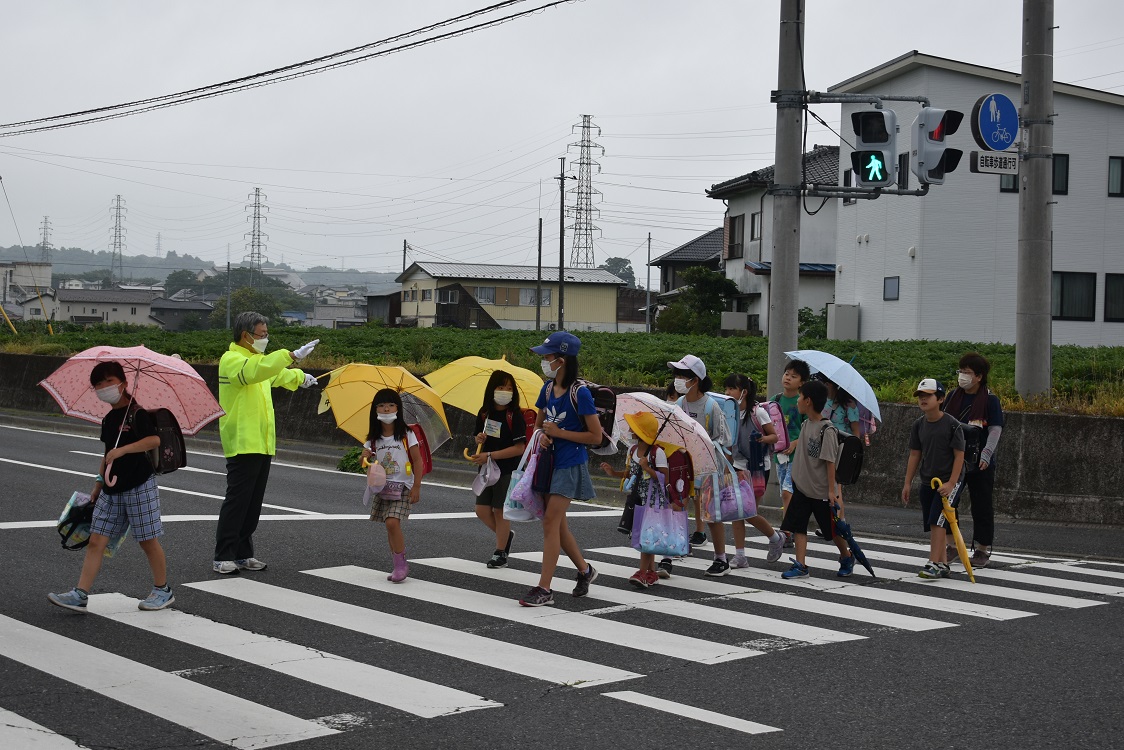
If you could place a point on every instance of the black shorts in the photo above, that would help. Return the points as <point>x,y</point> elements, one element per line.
<point>801,508</point>
<point>495,495</point>
<point>932,508</point>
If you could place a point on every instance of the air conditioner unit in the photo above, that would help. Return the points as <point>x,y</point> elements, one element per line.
<point>551,327</point>
<point>398,321</point>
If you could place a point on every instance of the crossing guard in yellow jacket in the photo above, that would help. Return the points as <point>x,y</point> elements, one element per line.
<point>248,432</point>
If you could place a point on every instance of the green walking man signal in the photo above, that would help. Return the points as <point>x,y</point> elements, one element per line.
<point>874,167</point>
<point>875,157</point>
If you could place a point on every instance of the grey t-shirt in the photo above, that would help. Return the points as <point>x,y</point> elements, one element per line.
<point>937,441</point>
<point>818,446</point>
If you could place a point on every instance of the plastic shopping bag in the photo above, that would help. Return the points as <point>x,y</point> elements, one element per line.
<point>726,497</point>
<point>522,502</point>
<point>662,530</point>
<point>74,525</point>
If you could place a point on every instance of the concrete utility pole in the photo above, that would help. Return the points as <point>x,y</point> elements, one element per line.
<point>648,290</point>
<point>786,193</point>
<point>538,284</point>
<point>1033,327</point>
<point>403,255</point>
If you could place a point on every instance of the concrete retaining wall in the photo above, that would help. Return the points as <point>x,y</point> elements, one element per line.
<point>1051,467</point>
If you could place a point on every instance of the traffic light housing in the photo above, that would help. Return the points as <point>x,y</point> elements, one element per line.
<point>875,158</point>
<point>931,159</point>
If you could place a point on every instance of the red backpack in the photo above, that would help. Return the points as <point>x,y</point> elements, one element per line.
<point>529,416</point>
<point>423,448</point>
<point>680,477</point>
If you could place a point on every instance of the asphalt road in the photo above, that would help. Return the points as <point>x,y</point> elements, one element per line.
<point>319,652</point>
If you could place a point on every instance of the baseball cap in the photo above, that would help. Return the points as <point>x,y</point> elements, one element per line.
<point>559,342</point>
<point>692,363</point>
<point>930,385</point>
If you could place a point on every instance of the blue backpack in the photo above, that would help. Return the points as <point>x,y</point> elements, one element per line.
<point>729,410</point>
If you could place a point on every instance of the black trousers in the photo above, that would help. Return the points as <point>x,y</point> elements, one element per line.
<point>981,489</point>
<point>246,477</point>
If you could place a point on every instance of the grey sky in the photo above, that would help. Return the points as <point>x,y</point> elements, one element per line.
<point>446,145</point>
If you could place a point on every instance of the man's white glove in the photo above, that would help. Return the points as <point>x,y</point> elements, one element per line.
<point>309,381</point>
<point>305,350</point>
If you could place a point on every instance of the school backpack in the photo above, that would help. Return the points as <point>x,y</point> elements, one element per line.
<point>423,448</point>
<point>775,416</point>
<point>973,445</point>
<point>730,411</point>
<point>529,416</point>
<point>171,454</point>
<point>867,424</point>
<point>680,477</point>
<point>605,401</point>
<point>850,462</point>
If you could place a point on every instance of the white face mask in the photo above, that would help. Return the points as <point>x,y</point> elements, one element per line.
<point>964,380</point>
<point>681,386</point>
<point>387,418</point>
<point>111,394</point>
<point>502,398</point>
<point>547,368</point>
<point>260,345</point>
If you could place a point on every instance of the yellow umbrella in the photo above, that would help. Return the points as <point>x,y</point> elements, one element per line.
<point>351,389</point>
<point>461,383</point>
<point>954,528</point>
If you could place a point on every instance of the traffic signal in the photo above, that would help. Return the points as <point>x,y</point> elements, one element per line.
<point>931,159</point>
<point>875,158</point>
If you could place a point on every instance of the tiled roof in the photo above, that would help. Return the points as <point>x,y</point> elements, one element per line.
<point>178,304</point>
<point>701,249</point>
<point>808,269</point>
<point>104,295</point>
<point>509,273</point>
<point>821,166</point>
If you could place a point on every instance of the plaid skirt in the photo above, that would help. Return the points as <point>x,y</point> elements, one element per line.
<point>392,502</point>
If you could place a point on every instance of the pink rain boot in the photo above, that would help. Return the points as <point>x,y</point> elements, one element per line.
<point>401,568</point>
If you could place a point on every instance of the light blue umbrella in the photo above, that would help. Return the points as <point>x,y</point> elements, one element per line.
<point>842,374</point>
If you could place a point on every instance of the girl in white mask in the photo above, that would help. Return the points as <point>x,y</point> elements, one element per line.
<point>501,432</point>
<point>391,443</point>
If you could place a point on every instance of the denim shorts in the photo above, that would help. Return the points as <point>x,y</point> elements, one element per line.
<point>784,476</point>
<point>138,507</point>
<point>573,482</point>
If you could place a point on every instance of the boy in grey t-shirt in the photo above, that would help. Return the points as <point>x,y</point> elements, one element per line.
<point>936,445</point>
<point>813,481</point>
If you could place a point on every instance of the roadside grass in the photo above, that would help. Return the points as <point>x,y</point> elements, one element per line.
<point>1086,380</point>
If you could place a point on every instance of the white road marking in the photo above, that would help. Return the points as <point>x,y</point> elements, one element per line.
<point>712,587</point>
<point>25,734</point>
<point>500,655</point>
<point>631,599</point>
<point>405,693</point>
<point>221,716</point>
<point>548,618</point>
<point>678,708</point>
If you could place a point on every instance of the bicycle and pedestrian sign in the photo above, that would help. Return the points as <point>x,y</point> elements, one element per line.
<point>995,123</point>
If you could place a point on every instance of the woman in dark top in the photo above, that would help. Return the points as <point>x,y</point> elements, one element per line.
<point>501,431</point>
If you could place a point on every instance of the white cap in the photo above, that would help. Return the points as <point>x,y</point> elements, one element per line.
<point>692,363</point>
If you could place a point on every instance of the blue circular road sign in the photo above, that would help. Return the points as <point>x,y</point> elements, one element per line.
<point>995,122</point>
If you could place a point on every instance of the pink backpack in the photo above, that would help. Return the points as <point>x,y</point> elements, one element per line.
<point>774,410</point>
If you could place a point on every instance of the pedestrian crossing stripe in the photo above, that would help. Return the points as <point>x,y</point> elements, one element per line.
<point>497,654</point>
<point>839,587</point>
<point>212,713</point>
<point>792,631</point>
<point>607,631</point>
<point>18,732</point>
<point>382,686</point>
<point>710,587</point>
<point>678,708</point>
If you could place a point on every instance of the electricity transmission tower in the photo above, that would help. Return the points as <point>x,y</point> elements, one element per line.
<point>257,237</point>
<point>159,250</point>
<point>45,244</point>
<point>117,243</point>
<point>581,253</point>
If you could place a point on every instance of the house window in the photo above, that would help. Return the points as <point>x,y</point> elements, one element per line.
<point>527,297</point>
<point>890,287</point>
<point>848,181</point>
<point>486,295</point>
<point>132,311</point>
<point>93,310</point>
<point>1114,297</point>
<point>1008,183</point>
<point>427,295</point>
<point>755,226</point>
<point>448,296</point>
<point>1115,181</point>
<point>1073,296</point>
<point>737,236</point>
<point>1061,175</point>
<point>115,309</point>
<point>36,311</point>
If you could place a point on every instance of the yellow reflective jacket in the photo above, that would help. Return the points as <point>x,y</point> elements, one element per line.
<point>245,379</point>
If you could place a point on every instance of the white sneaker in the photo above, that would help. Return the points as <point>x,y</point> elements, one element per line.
<point>739,561</point>
<point>251,563</point>
<point>775,546</point>
<point>225,567</point>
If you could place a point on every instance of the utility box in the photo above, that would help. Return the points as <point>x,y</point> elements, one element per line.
<point>735,321</point>
<point>842,321</point>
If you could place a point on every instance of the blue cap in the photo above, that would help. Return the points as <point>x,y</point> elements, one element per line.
<point>559,342</point>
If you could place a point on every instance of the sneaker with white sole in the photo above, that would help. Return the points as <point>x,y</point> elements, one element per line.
<point>158,599</point>
<point>980,557</point>
<point>933,571</point>
<point>798,570</point>
<point>776,545</point>
<point>581,588</point>
<point>225,567</point>
<point>73,600</point>
<point>639,579</point>
<point>739,561</point>
<point>250,563</point>
<point>663,568</point>
<point>717,568</point>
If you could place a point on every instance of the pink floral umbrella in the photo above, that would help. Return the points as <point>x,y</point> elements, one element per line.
<point>155,380</point>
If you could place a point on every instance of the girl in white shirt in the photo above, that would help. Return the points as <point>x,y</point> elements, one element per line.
<point>391,443</point>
